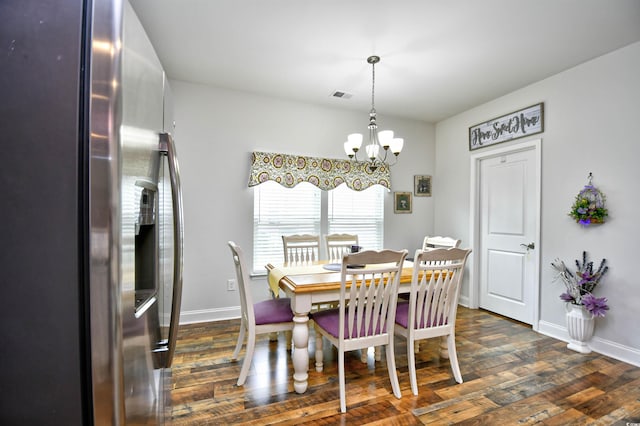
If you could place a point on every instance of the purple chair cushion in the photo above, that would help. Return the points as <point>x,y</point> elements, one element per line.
<point>329,320</point>
<point>402,313</point>
<point>402,316</point>
<point>273,311</point>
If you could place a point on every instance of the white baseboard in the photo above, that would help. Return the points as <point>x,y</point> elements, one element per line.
<point>601,346</point>
<point>206,315</point>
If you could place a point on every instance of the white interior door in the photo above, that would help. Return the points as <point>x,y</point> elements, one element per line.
<point>509,221</point>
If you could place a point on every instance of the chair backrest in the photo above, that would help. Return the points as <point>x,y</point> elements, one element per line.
<point>372,295</point>
<point>435,287</point>
<point>339,244</point>
<point>301,248</point>
<point>430,243</point>
<point>246,300</point>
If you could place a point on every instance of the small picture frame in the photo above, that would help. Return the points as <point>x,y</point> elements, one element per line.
<point>402,202</point>
<point>422,185</point>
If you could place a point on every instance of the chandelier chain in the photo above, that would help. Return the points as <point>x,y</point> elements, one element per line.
<point>373,85</point>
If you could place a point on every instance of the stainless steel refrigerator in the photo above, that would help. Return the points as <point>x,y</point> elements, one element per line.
<point>91,217</point>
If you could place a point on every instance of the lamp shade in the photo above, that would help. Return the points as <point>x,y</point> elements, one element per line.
<point>355,140</point>
<point>348,150</point>
<point>372,151</point>
<point>385,137</point>
<point>396,145</point>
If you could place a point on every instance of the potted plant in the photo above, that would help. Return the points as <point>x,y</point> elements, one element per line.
<point>582,306</point>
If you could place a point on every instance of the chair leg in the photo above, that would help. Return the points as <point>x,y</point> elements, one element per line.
<point>411,359</point>
<point>288,336</point>
<point>273,337</point>
<point>319,355</point>
<point>341,379</point>
<point>246,364</point>
<point>240,340</point>
<point>364,354</point>
<point>444,353</point>
<point>453,357</point>
<point>391,366</point>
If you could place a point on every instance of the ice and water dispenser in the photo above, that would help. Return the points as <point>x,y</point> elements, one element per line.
<point>146,247</point>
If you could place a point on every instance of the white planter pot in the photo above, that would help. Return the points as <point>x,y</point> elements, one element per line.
<point>580,324</point>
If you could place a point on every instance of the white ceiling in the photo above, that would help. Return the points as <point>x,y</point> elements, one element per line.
<point>439,57</point>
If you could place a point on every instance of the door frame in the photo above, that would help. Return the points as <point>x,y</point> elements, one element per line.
<point>474,219</point>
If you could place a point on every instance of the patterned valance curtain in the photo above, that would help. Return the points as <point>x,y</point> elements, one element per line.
<point>325,173</point>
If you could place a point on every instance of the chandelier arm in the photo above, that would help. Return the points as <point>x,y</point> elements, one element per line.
<point>386,151</point>
<point>395,160</point>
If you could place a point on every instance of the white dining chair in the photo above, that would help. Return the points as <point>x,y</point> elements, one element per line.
<point>269,316</point>
<point>301,248</point>
<point>433,304</point>
<point>430,243</point>
<point>366,313</point>
<point>337,245</point>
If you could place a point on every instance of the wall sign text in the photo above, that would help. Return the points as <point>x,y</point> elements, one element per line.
<point>518,124</point>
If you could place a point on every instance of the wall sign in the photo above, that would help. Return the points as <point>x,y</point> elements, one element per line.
<point>518,124</point>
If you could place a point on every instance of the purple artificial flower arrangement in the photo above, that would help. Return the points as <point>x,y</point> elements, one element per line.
<point>588,206</point>
<point>581,283</point>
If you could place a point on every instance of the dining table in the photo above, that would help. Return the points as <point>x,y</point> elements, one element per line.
<point>308,284</point>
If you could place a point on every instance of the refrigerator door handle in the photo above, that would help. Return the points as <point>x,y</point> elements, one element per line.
<point>167,147</point>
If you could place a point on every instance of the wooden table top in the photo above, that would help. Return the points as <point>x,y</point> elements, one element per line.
<point>319,279</point>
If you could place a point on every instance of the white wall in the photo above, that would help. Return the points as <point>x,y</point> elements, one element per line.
<point>217,130</point>
<point>592,123</point>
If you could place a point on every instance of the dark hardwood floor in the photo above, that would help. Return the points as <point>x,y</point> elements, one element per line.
<point>511,374</point>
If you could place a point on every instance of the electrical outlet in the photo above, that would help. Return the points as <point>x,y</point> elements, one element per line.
<point>231,285</point>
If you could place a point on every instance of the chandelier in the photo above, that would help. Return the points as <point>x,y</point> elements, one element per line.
<point>377,139</point>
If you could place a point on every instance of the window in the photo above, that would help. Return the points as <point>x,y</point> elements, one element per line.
<point>305,209</point>
<point>358,212</point>
<point>279,211</point>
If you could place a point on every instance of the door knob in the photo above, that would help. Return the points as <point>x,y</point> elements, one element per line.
<point>529,246</point>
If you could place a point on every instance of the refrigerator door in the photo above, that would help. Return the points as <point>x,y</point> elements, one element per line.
<point>144,239</point>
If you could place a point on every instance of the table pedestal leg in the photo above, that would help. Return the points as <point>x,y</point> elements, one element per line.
<point>300,354</point>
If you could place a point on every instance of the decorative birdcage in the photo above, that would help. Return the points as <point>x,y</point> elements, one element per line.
<point>589,205</point>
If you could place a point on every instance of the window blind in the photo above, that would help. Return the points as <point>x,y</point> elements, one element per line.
<point>361,213</point>
<point>278,211</point>
<point>281,211</point>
